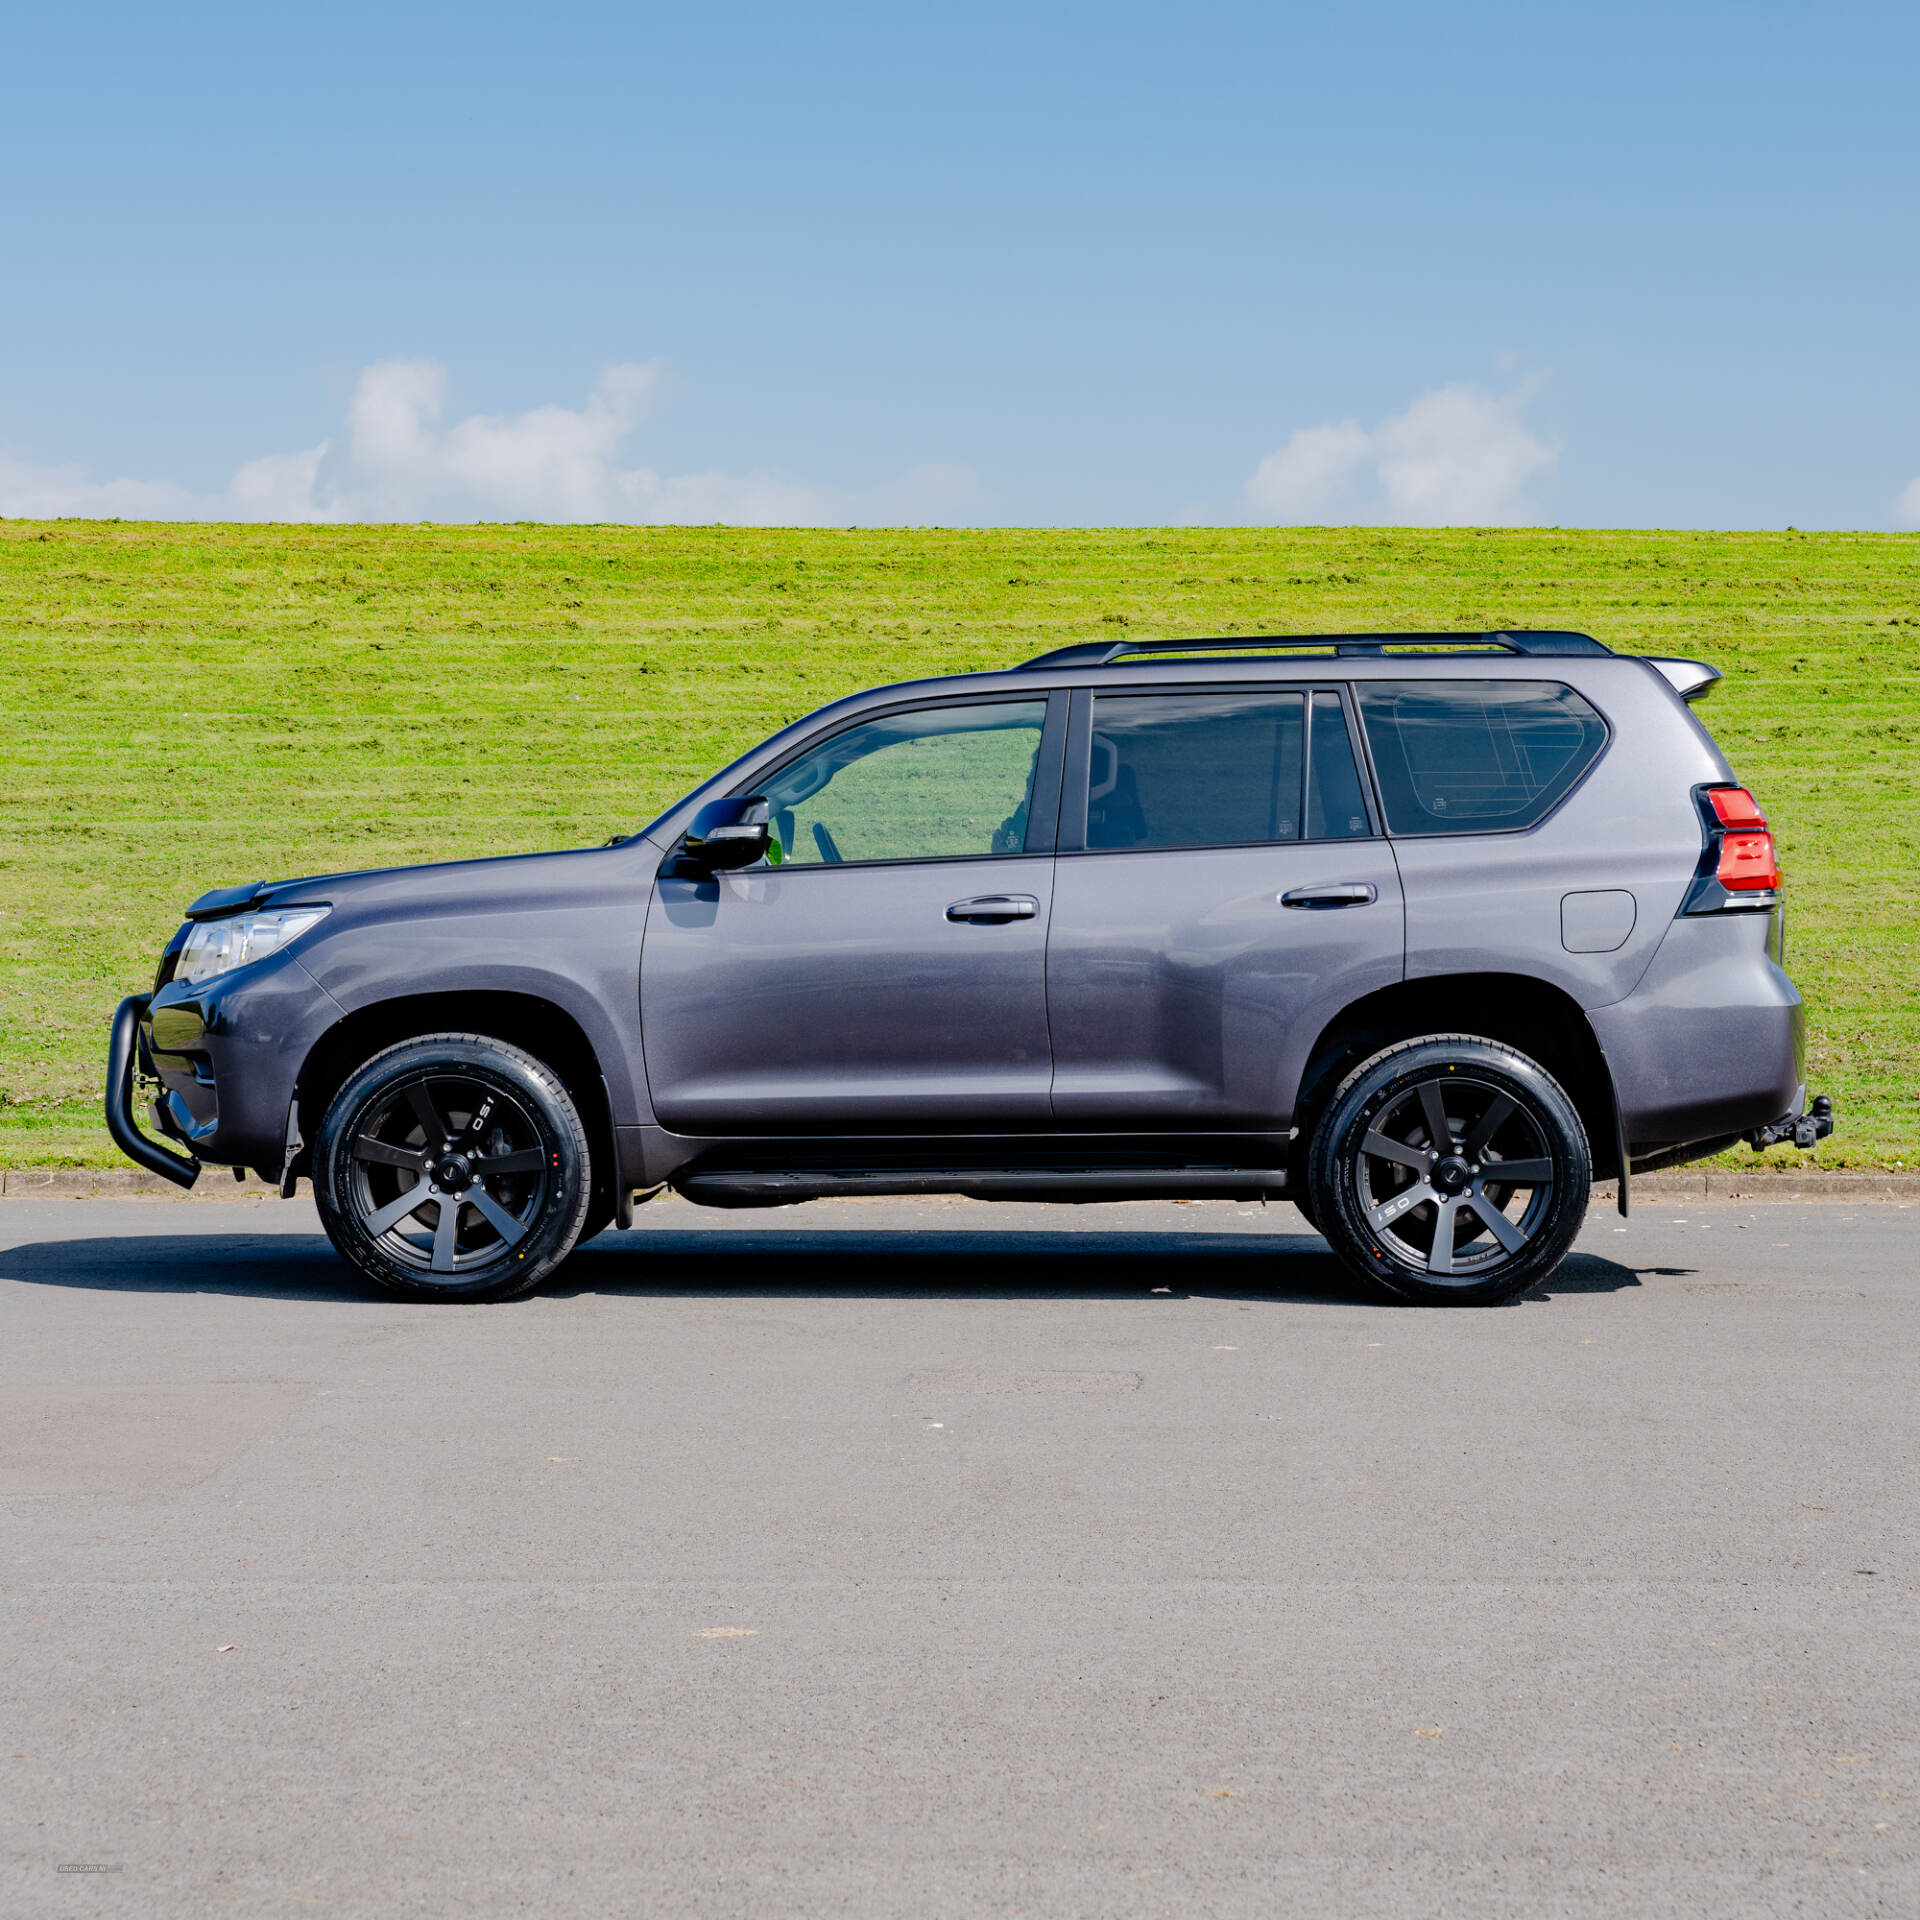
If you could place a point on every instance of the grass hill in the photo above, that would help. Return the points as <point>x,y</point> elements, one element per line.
<point>190,705</point>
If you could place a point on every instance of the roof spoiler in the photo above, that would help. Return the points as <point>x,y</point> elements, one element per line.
<point>1101,653</point>
<point>1690,679</point>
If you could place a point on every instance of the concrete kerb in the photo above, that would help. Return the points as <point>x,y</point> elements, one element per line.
<point>1709,1184</point>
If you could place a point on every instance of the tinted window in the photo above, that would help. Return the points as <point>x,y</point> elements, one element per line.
<point>1194,769</point>
<point>1474,756</point>
<point>946,783</point>
<point>1336,802</point>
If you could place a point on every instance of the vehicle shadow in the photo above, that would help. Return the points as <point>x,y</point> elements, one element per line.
<point>879,1263</point>
<point>1278,1267</point>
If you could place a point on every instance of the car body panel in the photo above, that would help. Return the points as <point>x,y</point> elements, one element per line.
<point>842,997</point>
<point>1182,992</point>
<point>1712,1041</point>
<point>564,928</point>
<point>560,928</point>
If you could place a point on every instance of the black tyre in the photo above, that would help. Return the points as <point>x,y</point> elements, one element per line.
<point>599,1214</point>
<point>597,1222</point>
<point>1451,1171</point>
<point>453,1167</point>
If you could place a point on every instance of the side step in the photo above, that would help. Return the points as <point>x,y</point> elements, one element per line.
<point>736,1187</point>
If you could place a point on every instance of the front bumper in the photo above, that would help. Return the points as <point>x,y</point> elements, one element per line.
<point>226,1055</point>
<point>126,1051</point>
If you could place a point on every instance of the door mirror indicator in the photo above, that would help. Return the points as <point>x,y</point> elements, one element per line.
<point>729,833</point>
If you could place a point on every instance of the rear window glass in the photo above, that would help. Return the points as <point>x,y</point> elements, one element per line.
<point>1194,770</point>
<point>1476,756</point>
<point>1336,802</point>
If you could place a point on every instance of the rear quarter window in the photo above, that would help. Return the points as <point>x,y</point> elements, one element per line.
<point>1476,756</point>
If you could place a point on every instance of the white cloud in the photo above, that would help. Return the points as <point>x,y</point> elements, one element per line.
<point>1906,509</point>
<point>28,492</point>
<point>1315,467</point>
<point>1456,457</point>
<point>279,486</point>
<point>552,463</point>
<point>399,458</point>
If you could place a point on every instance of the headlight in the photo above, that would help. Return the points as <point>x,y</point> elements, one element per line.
<point>218,946</point>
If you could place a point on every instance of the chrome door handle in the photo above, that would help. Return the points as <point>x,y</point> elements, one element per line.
<point>1354,894</point>
<point>987,908</point>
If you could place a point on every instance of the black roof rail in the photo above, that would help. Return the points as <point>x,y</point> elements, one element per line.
<point>1102,653</point>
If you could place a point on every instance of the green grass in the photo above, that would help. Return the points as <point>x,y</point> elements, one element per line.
<point>190,705</point>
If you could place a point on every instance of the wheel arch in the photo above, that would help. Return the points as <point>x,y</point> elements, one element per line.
<point>1539,1019</point>
<point>537,1026</point>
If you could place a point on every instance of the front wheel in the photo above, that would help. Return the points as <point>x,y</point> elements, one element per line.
<point>1451,1171</point>
<point>453,1167</point>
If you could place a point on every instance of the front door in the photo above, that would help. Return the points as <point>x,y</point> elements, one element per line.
<point>1222,890</point>
<point>885,969</point>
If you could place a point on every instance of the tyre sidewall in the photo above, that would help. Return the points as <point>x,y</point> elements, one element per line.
<point>1374,1086</point>
<point>554,1231</point>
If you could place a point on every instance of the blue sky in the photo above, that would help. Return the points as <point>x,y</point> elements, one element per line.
<point>1592,265</point>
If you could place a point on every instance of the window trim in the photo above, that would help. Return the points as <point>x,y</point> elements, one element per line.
<point>1076,772</point>
<point>1358,719</point>
<point>1362,764</point>
<point>1042,815</point>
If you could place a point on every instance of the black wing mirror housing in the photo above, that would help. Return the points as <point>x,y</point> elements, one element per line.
<point>728,833</point>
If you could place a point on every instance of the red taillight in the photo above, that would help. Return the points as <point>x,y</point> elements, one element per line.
<point>1736,807</point>
<point>1747,862</point>
<point>1738,861</point>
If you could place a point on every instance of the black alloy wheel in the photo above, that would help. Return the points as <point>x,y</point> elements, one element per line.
<point>453,1167</point>
<point>1451,1171</point>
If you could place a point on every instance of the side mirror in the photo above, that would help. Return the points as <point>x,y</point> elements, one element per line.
<point>729,833</point>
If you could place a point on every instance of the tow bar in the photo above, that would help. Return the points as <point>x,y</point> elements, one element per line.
<point>1806,1124</point>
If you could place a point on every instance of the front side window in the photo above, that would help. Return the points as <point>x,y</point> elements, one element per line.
<point>945,783</point>
<point>1476,756</point>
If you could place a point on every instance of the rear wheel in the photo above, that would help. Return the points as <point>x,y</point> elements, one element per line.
<point>1451,1171</point>
<point>453,1167</point>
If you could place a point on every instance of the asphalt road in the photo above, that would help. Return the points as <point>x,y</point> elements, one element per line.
<point>938,1559</point>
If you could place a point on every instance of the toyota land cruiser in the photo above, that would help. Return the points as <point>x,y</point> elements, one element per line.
<point>1423,933</point>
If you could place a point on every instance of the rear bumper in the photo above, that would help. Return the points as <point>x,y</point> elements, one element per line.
<point>1708,1049</point>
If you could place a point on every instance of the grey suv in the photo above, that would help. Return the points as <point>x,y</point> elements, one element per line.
<point>1422,932</point>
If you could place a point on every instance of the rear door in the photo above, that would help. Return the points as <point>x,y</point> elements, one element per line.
<point>1222,890</point>
<point>887,972</point>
